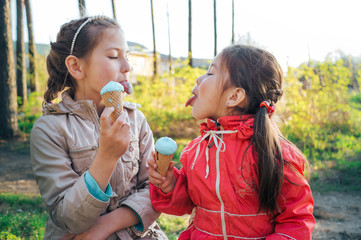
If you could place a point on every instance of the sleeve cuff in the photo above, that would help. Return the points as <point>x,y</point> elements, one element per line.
<point>94,189</point>
<point>140,225</point>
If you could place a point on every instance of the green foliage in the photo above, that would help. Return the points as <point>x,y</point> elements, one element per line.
<point>173,225</point>
<point>8,236</point>
<point>29,112</point>
<point>22,217</point>
<point>355,101</point>
<point>162,99</point>
<point>317,113</point>
<point>42,72</point>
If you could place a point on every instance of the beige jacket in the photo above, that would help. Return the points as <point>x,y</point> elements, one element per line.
<point>64,143</point>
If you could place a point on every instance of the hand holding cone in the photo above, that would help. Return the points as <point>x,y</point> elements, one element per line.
<point>112,97</point>
<point>165,148</point>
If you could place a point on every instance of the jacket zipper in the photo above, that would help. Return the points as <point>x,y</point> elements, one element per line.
<point>218,180</point>
<point>85,149</point>
<point>96,120</point>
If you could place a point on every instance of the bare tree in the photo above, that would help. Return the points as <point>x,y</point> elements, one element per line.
<point>232,22</point>
<point>20,54</point>
<point>114,10</point>
<point>34,83</point>
<point>155,71</point>
<point>169,44</point>
<point>215,26</point>
<point>8,106</point>
<point>82,8</point>
<point>190,59</point>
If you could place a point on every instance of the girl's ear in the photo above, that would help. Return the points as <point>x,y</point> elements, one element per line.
<point>236,97</point>
<point>75,67</point>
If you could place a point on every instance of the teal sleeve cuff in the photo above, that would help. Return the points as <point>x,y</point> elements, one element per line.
<point>139,226</point>
<point>94,189</point>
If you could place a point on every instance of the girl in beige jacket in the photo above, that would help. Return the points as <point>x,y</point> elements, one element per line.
<point>92,172</point>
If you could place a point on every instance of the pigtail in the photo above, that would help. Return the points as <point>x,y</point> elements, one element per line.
<point>270,161</point>
<point>260,75</point>
<point>58,73</point>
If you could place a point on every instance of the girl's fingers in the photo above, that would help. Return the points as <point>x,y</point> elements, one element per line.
<point>170,170</point>
<point>122,117</point>
<point>152,164</point>
<point>120,124</point>
<point>105,121</point>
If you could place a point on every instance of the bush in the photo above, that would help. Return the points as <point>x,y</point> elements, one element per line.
<point>317,114</point>
<point>162,99</point>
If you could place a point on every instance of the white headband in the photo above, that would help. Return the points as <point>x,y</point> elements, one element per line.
<point>78,31</point>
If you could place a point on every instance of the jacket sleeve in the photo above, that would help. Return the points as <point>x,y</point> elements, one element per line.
<point>69,203</point>
<point>178,201</point>
<point>296,219</point>
<point>140,200</point>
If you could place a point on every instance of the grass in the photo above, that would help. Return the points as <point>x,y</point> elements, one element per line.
<point>336,179</point>
<point>24,217</point>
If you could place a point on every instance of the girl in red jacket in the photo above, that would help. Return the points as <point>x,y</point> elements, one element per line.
<point>240,178</point>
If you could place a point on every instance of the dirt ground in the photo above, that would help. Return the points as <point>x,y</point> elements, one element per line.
<point>338,215</point>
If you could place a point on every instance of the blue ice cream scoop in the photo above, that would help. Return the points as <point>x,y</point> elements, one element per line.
<point>166,146</point>
<point>112,87</point>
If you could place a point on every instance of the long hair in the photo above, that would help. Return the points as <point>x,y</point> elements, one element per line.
<point>260,75</point>
<point>86,41</point>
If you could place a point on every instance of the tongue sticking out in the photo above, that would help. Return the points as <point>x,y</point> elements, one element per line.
<point>190,101</point>
<point>127,87</point>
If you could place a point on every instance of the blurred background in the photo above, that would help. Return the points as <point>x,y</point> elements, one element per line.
<point>317,43</point>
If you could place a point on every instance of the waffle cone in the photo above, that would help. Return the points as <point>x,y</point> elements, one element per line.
<point>163,162</point>
<point>113,99</point>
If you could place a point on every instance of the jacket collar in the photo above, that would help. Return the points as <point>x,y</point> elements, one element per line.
<point>242,123</point>
<point>81,108</point>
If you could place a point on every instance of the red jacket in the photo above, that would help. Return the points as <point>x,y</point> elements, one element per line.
<point>225,197</point>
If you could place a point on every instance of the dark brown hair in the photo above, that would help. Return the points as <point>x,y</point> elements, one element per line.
<point>87,39</point>
<point>260,75</point>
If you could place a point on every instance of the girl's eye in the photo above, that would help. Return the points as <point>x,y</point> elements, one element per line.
<point>209,74</point>
<point>113,57</point>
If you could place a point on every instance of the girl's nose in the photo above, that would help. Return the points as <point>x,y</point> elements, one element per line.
<point>199,80</point>
<point>125,66</point>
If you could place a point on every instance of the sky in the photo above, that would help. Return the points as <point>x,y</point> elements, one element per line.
<point>293,30</point>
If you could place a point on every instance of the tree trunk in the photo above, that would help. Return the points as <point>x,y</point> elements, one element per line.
<point>82,8</point>
<point>169,44</point>
<point>34,83</point>
<point>215,26</point>
<point>232,22</point>
<point>20,54</point>
<point>155,70</point>
<point>8,105</point>
<point>114,10</point>
<point>190,59</point>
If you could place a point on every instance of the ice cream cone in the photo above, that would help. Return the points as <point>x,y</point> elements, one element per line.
<point>113,99</point>
<point>163,162</point>
<point>165,148</point>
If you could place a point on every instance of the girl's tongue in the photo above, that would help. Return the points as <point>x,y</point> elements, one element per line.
<point>190,101</point>
<point>127,87</point>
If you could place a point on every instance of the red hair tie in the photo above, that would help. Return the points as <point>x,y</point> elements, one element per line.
<point>270,109</point>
